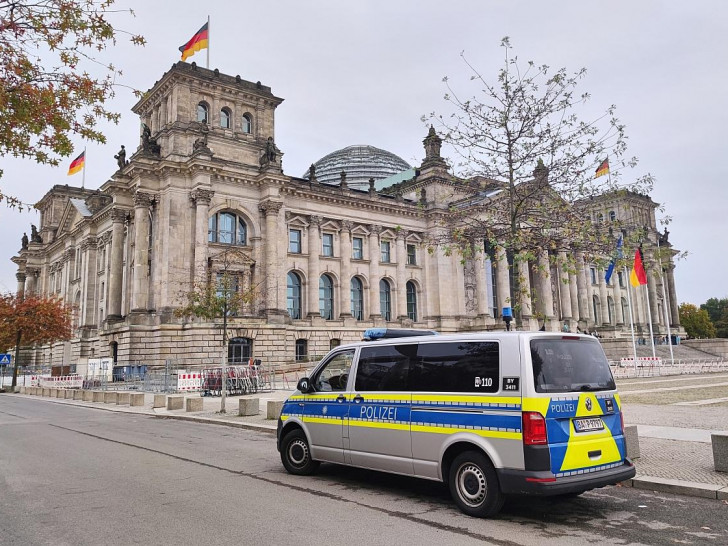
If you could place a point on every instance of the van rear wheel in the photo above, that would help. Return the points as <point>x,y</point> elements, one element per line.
<point>474,485</point>
<point>296,454</point>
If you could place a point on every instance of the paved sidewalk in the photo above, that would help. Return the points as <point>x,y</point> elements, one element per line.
<point>676,453</point>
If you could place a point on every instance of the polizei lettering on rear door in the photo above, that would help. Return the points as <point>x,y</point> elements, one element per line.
<point>385,413</point>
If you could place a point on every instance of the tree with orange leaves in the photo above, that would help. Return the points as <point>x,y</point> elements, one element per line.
<point>30,320</point>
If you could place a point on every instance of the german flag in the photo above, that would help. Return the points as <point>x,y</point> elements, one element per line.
<point>196,43</point>
<point>638,276</point>
<point>603,168</point>
<point>77,164</point>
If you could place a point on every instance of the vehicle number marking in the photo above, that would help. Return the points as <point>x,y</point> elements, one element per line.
<point>483,381</point>
<point>588,424</point>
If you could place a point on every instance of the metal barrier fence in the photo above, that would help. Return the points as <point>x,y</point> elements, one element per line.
<point>239,380</point>
<point>680,367</point>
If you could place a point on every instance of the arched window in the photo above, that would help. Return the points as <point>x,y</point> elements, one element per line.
<point>294,295</point>
<point>240,349</point>
<point>412,301</point>
<point>247,123</point>
<point>227,228</point>
<point>610,310</point>
<point>625,311</point>
<point>612,215</point>
<point>202,110</point>
<point>385,299</point>
<point>357,298</point>
<point>225,118</point>
<point>595,305</point>
<point>326,297</point>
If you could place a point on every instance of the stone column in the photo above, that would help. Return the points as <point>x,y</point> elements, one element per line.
<point>545,288</point>
<point>564,288</point>
<point>116,262</point>
<point>271,210</point>
<point>481,286</point>
<point>201,198</point>
<point>140,290</point>
<point>652,294</point>
<point>604,303</point>
<point>91,280</point>
<point>617,295</point>
<point>672,294</point>
<point>502,280</point>
<point>21,284</point>
<point>374,255</point>
<point>31,280</point>
<point>401,309</point>
<point>345,290</point>
<point>524,275</point>
<point>314,251</point>
<point>583,292</point>
<point>574,290</point>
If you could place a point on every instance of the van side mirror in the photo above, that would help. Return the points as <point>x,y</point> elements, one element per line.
<point>304,385</point>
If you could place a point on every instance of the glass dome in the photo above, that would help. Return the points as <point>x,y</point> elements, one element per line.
<point>360,163</point>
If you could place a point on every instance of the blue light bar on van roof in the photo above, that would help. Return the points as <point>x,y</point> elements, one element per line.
<point>373,334</point>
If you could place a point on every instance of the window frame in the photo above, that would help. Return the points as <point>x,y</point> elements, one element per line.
<point>411,254</point>
<point>206,108</point>
<point>226,114</point>
<point>238,235</point>
<point>246,117</point>
<point>385,252</point>
<point>294,302</point>
<point>326,297</point>
<point>357,251</point>
<point>315,378</point>
<point>357,290</point>
<point>301,349</point>
<point>327,245</point>
<point>295,246</point>
<point>411,302</point>
<point>385,299</point>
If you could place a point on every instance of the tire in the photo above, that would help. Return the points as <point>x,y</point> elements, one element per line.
<point>296,454</point>
<point>474,485</point>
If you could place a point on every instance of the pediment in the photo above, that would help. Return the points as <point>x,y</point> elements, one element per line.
<point>330,225</point>
<point>230,257</point>
<point>388,234</point>
<point>297,221</point>
<point>70,219</point>
<point>360,231</point>
<point>413,238</point>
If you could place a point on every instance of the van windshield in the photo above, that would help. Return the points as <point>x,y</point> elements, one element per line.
<point>570,365</point>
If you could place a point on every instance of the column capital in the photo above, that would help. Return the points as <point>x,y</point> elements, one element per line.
<point>92,242</point>
<point>270,207</point>
<point>118,215</point>
<point>20,277</point>
<point>375,229</point>
<point>143,199</point>
<point>31,271</point>
<point>201,196</point>
<point>314,220</point>
<point>347,225</point>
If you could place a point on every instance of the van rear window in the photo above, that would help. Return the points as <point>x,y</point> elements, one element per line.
<point>570,365</point>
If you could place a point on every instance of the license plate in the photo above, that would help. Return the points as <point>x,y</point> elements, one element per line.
<point>587,425</point>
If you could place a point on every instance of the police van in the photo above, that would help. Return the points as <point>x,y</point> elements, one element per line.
<point>490,414</point>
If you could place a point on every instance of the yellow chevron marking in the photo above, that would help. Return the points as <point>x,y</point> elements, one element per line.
<point>540,405</point>
<point>578,448</point>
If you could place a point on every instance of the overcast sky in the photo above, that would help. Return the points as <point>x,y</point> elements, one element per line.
<point>365,72</point>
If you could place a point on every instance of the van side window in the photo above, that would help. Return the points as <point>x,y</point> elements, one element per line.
<point>335,373</point>
<point>384,368</point>
<point>457,367</point>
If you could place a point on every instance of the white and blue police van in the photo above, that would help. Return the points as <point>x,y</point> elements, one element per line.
<point>491,414</point>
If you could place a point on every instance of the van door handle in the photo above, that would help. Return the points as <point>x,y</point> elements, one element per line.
<point>341,398</point>
<point>358,399</point>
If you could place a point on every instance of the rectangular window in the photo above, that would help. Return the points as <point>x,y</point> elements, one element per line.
<point>357,249</point>
<point>386,256</point>
<point>620,276</point>
<point>384,368</point>
<point>294,241</point>
<point>411,255</point>
<point>457,367</point>
<point>301,349</point>
<point>328,244</point>
<point>570,366</point>
<point>593,273</point>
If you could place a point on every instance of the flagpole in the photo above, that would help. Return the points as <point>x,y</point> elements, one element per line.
<point>208,42</point>
<point>631,318</point>
<point>664,300</point>
<point>649,318</point>
<point>83,176</point>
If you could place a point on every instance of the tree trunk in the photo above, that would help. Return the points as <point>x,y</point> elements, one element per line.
<point>17,359</point>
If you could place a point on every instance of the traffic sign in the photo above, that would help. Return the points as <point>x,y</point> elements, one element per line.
<point>5,359</point>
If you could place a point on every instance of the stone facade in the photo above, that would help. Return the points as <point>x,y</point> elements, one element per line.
<point>205,192</point>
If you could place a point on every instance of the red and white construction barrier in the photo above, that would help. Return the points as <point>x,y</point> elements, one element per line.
<point>642,361</point>
<point>189,382</point>
<point>61,382</point>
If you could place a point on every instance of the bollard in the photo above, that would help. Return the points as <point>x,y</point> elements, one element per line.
<point>77,394</point>
<point>249,406</point>
<point>160,401</point>
<point>45,391</point>
<point>273,409</point>
<point>193,404</point>
<point>122,399</point>
<point>136,399</point>
<point>720,450</point>
<point>68,394</point>
<point>175,402</point>
<point>88,396</point>
<point>98,396</point>
<point>16,389</point>
<point>60,393</point>
<point>111,397</point>
<point>23,390</point>
<point>632,441</point>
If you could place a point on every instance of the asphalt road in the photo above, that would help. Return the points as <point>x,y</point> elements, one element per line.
<point>71,475</point>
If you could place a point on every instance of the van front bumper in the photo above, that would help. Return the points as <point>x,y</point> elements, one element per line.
<point>523,482</point>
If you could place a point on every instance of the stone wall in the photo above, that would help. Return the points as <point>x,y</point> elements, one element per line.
<point>717,347</point>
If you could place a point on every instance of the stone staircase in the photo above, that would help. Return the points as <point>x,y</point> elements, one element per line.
<point>622,348</point>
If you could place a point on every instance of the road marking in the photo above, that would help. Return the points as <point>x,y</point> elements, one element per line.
<point>701,402</point>
<point>665,389</point>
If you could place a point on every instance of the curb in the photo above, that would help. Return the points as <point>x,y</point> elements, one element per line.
<point>267,429</point>
<point>679,487</point>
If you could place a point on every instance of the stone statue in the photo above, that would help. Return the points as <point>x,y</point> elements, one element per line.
<point>34,235</point>
<point>149,144</point>
<point>24,242</point>
<point>312,173</point>
<point>269,154</point>
<point>121,158</point>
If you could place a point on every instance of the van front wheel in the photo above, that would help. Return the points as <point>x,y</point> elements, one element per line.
<point>474,485</point>
<point>296,454</point>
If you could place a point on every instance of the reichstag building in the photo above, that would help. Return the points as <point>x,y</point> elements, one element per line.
<point>323,256</point>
